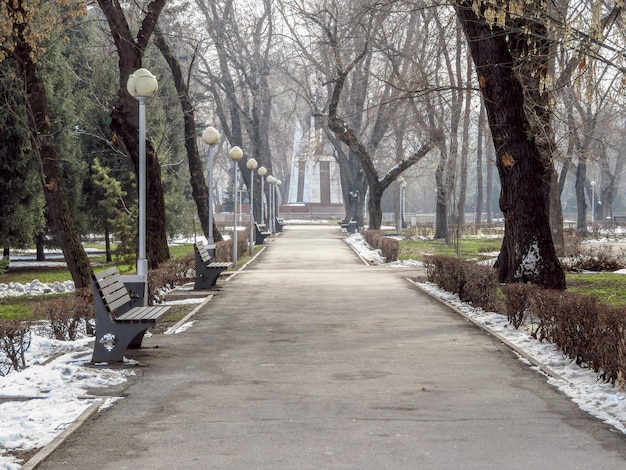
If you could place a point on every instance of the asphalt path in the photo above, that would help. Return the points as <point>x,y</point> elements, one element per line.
<point>309,359</point>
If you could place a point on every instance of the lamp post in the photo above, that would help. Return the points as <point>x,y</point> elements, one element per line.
<point>235,155</point>
<point>271,179</point>
<point>403,186</point>
<point>593,201</point>
<point>142,85</point>
<point>262,172</point>
<point>277,205</point>
<point>400,181</point>
<point>210,136</point>
<point>251,165</point>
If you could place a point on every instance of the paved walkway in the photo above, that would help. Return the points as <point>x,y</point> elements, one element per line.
<point>311,360</point>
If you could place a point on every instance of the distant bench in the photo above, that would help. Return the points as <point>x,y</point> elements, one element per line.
<point>206,271</point>
<point>118,324</point>
<point>349,225</point>
<point>261,234</point>
<point>619,220</point>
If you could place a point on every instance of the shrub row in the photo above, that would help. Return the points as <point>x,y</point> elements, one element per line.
<point>586,330</point>
<point>169,274</point>
<point>389,247</point>
<point>474,283</point>
<point>224,250</point>
<point>592,333</point>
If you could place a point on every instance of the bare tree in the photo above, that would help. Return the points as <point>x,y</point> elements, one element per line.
<point>238,78</point>
<point>199,188</point>
<point>364,72</point>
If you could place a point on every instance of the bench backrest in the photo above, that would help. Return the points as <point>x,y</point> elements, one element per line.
<point>111,288</point>
<point>203,251</point>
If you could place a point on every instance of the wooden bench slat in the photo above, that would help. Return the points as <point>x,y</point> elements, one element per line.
<point>219,265</point>
<point>111,288</point>
<point>113,304</point>
<point>106,273</point>
<point>143,314</point>
<point>203,251</point>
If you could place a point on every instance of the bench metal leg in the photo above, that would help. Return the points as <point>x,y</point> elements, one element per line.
<point>111,344</point>
<point>207,277</point>
<point>260,237</point>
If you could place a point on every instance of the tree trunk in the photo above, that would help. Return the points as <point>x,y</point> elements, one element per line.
<point>199,190</point>
<point>125,120</point>
<point>40,253</point>
<point>524,163</point>
<point>51,173</point>
<point>581,204</point>
<point>441,209</point>
<point>375,211</point>
<point>45,152</point>
<point>107,243</point>
<point>489,185</point>
<point>556,215</point>
<point>479,166</point>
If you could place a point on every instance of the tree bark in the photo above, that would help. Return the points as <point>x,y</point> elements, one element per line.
<point>522,154</point>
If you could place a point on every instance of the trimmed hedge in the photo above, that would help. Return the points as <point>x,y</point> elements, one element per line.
<point>592,333</point>
<point>474,283</point>
<point>389,247</point>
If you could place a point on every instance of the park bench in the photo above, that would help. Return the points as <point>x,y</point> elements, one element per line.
<point>119,325</point>
<point>619,219</point>
<point>261,234</point>
<point>206,271</point>
<point>349,225</point>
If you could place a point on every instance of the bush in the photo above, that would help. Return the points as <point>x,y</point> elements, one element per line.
<point>481,287</point>
<point>389,247</point>
<point>169,274</point>
<point>14,342</point>
<point>600,258</point>
<point>591,333</point>
<point>474,283</point>
<point>69,315</point>
<point>4,265</point>
<point>224,250</point>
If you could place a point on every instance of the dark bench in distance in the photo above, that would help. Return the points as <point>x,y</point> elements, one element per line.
<point>206,271</point>
<point>619,220</point>
<point>349,225</point>
<point>118,325</point>
<point>261,234</point>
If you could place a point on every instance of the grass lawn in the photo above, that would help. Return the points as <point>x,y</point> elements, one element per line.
<point>22,307</point>
<point>469,248</point>
<point>608,288</point>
